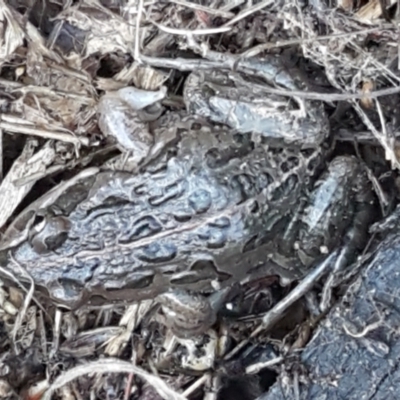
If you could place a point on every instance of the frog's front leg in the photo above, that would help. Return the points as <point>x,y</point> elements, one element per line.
<point>189,314</point>
<point>124,115</point>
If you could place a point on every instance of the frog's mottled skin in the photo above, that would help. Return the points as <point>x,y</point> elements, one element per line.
<point>181,222</point>
<point>211,208</point>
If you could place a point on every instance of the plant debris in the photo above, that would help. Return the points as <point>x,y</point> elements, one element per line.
<point>63,61</point>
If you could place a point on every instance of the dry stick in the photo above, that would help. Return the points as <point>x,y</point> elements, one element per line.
<point>116,366</point>
<point>137,36</point>
<point>381,118</point>
<point>379,66</point>
<point>234,62</point>
<point>301,20</point>
<point>42,334</point>
<point>1,155</point>
<point>251,10</point>
<point>186,32</point>
<point>48,91</point>
<point>55,345</point>
<point>225,61</point>
<point>385,142</point>
<point>328,97</point>
<point>257,367</point>
<point>30,296</point>
<point>345,135</point>
<point>231,4</point>
<point>43,90</point>
<point>182,64</point>
<point>208,10</point>
<point>267,46</point>
<point>128,386</point>
<point>273,315</point>
<point>65,137</point>
<point>194,386</point>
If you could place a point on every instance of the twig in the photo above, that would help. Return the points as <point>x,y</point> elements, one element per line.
<point>364,331</point>
<point>303,287</point>
<point>257,367</point>
<point>10,275</point>
<point>43,90</point>
<point>385,142</point>
<point>22,312</point>
<point>182,64</point>
<point>231,4</point>
<point>276,313</point>
<point>1,154</point>
<point>251,10</point>
<point>56,333</point>
<point>197,384</point>
<point>379,66</point>
<point>284,43</point>
<point>188,32</point>
<point>381,118</point>
<point>208,10</point>
<point>112,365</point>
<point>345,135</point>
<point>137,36</point>
<point>64,137</point>
<point>328,97</point>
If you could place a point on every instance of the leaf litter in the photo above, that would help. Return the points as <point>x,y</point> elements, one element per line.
<point>59,58</point>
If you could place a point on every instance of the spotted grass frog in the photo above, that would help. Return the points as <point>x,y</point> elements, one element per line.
<point>235,192</point>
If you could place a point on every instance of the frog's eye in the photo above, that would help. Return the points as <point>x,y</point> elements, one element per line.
<point>48,233</point>
<point>38,224</point>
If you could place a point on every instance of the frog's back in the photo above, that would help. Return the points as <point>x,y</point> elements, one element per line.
<point>178,223</point>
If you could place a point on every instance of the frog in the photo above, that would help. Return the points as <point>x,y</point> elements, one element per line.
<point>241,189</point>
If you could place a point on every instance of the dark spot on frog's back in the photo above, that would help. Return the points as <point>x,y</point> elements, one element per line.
<point>157,252</point>
<point>200,201</point>
<point>285,188</point>
<point>140,281</point>
<point>254,207</point>
<point>215,237</point>
<point>182,216</point>
<point>142,227</point>
<point>215,233</point>
<point>249,186</point>
<point>70,284</point>
<point>216,158</point>
<point>170,192</point>
<point>289,164</point>
<point>244,185</point>
<point>264,179</point>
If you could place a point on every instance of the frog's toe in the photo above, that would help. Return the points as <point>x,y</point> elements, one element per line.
<point>187,314</point>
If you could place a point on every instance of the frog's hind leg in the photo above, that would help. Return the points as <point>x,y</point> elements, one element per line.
<point>338,215</point>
